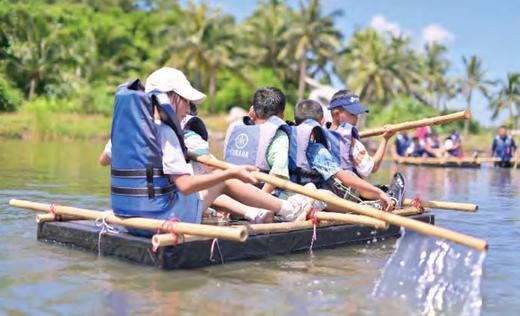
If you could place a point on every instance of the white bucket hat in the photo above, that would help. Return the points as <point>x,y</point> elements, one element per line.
<point>170,79</point>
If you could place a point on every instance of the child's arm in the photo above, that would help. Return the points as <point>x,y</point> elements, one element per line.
<point>105,159</point>
<point>380,153</point>
<point>188,184</point>
<point>366,190</point>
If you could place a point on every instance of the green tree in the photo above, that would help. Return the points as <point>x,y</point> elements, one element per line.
<point>43,43</point>
<point>435,67</point>
<point>378,68</point>
<point>474,78</point>
<point>312,36</point>
<point>203,44</point>
<point>263,35</point>
<point>508,98</point>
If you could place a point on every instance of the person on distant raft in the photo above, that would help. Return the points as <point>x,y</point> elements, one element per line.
<point>422,132</point>
<point>311,160</point>
<point>401,144</point>
<point>432,145</point>
<point>503,147</point>
<point>262,138</point>
<point>150,175</point>
<point>416,148</point>
<point>453,144</point>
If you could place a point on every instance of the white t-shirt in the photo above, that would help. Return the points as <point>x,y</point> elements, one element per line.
<point>362,160</point>
<point>173,159</point>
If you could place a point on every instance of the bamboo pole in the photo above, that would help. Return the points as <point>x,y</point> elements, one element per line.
<point>351,219</point>
<point>390,218</point>
<point>407,211</point>
<point>238,234</point>
<point>325,218</point>
<point>442,119</point>
<point>445,205</point>
<point>43,218</point>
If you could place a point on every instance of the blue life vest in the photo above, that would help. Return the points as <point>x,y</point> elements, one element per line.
<point>138,184</point>
<point>340,142</point>
<point>195,124</point>
<point>504,147</point>
<point>402,143</point>
<point>247,144</point>
<point>300,169</point>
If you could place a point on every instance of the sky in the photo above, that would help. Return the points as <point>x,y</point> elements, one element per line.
<point>488,29</point>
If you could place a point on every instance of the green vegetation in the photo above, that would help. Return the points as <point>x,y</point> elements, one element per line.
<point>67,57</point>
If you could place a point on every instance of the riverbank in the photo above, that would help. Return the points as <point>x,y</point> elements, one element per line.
<point>72,126</point>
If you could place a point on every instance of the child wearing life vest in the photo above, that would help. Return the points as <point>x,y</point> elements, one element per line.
<point>401,144</point>
<point>345,108</point>
<point>503,147</point>
<point>453,144</point>
<point>262,138</point>
<point>150,175</point>
<point>311,159</point>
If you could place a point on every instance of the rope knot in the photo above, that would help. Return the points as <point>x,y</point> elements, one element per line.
<point>57,217</point>
<point>417,203</point>
<point>167,225</point>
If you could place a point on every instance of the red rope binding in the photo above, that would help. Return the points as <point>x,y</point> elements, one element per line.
<point>417,203</point>
<point>57,217</point>
<point>168,226</point>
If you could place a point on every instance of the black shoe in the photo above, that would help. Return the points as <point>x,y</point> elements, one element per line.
<point>397,188</point>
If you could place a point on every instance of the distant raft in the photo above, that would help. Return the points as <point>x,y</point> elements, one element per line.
<point>453,162</point>
<point>195,252</point>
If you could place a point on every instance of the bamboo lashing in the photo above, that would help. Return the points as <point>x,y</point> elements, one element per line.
<point>390,218</point>
<point>407,211</point>
<point>445,205</point>
<point>229,233</point>
<point>442,119</point>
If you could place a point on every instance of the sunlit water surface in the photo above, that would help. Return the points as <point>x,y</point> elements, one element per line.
<point>43,279</point>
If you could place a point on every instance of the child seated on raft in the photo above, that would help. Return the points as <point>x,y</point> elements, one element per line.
<point>183,195</point>
<point>262,138</point>
<point>310,152</point>
<point>345,108</point>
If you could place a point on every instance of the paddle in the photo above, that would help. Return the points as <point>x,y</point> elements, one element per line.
<point>445,205</point>
<point>442,119</point>
<point>235,233</point>
<point>390,218</point>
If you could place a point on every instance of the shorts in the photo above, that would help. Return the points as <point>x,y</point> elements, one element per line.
<point>186,208</point>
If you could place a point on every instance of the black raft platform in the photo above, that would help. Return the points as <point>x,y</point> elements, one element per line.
<point>84,235</point>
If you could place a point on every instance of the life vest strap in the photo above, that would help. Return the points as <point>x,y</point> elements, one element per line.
<point>142,191</point>
<point>299,173</point>
<point>136,173</point>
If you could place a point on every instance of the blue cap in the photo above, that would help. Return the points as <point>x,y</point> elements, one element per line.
<point>350,103</point>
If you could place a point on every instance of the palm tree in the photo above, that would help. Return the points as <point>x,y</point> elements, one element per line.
<point>264,31</point>
<point>508,97</point>
<point>379,69</point>
<point>435,67</point>
<point>473,79</point>
<point>312,35</point>
<point>202,45</point>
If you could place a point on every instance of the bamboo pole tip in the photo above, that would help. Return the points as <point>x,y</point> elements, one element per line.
<point>243,233</point>
<point>467,114</point>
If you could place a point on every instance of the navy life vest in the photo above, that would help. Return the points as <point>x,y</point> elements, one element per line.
<point>247,144</point>
<point>340,142</point>
<point>300,169</point>
<point>195,124</point>
<point>434,144</point>
<point>417,150</point>
<point>402,143</point>
<point>504,147</point>
<point>138,185</point>
<point>456,142</point>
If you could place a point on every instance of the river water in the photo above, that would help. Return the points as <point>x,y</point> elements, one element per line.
<point>43,279</point>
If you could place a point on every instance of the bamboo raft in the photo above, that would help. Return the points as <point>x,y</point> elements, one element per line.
<point>195,252</point>
<point>450,162</point>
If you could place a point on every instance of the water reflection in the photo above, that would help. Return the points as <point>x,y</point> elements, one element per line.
<point>38,278</point>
